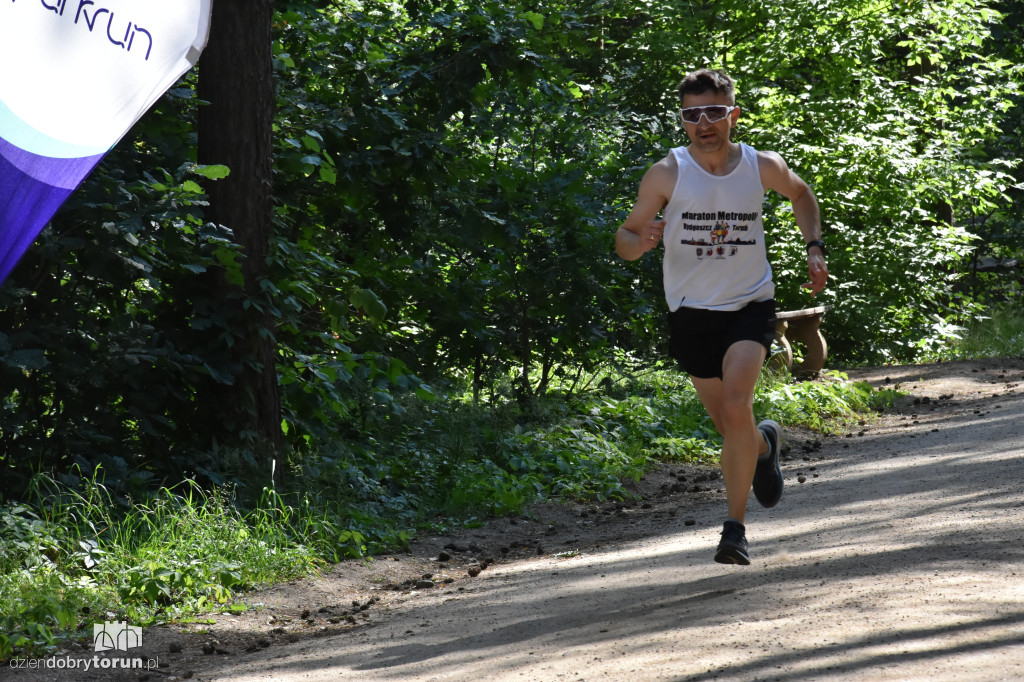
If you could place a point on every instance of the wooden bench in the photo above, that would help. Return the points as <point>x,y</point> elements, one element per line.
<point>801,326</point>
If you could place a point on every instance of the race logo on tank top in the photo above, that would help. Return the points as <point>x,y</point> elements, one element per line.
<point>718,235</point>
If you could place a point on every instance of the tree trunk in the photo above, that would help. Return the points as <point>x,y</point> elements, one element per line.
<point>235,129</point>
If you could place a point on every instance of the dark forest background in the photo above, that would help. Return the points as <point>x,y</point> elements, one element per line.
<point>352,209</point>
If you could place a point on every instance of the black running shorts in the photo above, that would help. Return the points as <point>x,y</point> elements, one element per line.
<point>699,338</point>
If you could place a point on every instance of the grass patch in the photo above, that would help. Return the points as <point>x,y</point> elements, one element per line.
<point>92,556</point>
<point>86,560</point>
<point>823,405</point>
<point>999,335</point>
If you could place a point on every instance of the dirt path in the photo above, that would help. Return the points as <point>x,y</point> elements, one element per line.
<point>897,553</point>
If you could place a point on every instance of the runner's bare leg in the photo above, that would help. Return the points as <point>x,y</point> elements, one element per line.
<point>730,404</point>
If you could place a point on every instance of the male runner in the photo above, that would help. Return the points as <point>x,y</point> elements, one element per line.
<point>719,289</point>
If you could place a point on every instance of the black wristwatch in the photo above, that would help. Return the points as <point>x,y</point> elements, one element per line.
<point>817,242</point>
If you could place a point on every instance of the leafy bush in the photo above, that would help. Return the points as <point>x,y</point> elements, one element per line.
<point>447,187</point>
<point>463,458</point>
<point>186,551</point>
<point>996,336</point>
<point>822,405</point>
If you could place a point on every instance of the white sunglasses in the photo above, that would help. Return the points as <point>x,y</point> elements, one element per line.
<point>713,113</point>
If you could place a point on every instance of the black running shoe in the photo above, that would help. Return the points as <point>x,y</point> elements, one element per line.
<point>768,475</point>
<point>733,547</point>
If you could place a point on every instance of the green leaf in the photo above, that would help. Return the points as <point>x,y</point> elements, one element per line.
<point>310,143</point>
<point>533,17</point>
<point>232,268</point>
<point>367,301</point>
<point>328,175</point>
<point>213,172</point>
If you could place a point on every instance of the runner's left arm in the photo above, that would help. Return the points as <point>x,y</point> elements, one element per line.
<point>776,175</point>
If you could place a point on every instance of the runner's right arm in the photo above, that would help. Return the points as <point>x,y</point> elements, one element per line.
<point>641,231</point>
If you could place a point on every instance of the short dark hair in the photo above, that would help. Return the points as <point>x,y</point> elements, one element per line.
<point>708,80</point>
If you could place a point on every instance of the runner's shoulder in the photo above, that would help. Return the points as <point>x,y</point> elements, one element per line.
<point>662,175</point>
<point>770,159</point>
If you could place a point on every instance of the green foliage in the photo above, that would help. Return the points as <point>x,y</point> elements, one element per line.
<point>518,213</point>
<point>888,131</point>
<point>501,174</point>
<point>997,336</point>
<point>448,178</point>
<point>822,405</point>
<point>85,558</point>
<point>88,359</point>
<point>462,458</point>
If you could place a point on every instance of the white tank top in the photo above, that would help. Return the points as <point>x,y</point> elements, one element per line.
<point>715,256</point>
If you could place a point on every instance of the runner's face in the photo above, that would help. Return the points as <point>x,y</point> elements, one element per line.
<point>709,137</point>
